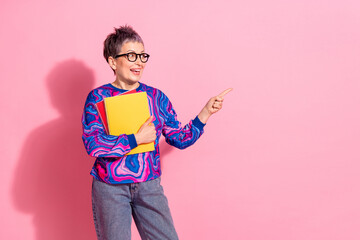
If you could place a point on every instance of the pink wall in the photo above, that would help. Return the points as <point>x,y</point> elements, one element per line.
<point>281,161</point>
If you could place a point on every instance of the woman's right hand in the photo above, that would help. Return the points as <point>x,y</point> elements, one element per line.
<point>146,133</point>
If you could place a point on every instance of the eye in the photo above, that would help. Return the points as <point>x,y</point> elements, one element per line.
<point>132,55</point>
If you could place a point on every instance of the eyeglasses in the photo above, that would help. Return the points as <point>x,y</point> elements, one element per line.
<point>132,57</point>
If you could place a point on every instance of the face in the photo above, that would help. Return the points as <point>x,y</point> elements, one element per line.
<point>126,71</point>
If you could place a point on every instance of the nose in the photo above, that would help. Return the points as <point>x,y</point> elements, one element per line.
<point>138,61</point>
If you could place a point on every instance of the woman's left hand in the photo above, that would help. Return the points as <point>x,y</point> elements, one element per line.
<point>212,106</point>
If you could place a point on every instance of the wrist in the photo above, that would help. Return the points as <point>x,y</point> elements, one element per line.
<point>204,116</point>
<point>137,138</point>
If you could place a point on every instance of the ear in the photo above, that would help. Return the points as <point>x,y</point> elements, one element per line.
<point>112,62</point>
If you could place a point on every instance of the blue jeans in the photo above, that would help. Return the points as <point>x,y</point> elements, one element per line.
<point>115,204</point>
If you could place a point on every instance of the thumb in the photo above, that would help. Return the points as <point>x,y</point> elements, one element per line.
<point>148,121</point>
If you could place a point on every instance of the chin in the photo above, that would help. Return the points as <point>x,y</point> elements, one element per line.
<point>133,81</point>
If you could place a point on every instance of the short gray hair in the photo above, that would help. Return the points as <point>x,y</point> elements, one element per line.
<point>115,40</point>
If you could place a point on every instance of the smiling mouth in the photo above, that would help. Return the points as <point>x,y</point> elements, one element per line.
<point>135,70</point>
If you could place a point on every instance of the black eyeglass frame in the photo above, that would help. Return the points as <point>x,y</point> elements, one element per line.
<point>137,55</point>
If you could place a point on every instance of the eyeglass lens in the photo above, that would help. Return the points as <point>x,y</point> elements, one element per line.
<point>133,56</point>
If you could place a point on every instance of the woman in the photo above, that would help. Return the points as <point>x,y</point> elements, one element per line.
<point>126,186</point>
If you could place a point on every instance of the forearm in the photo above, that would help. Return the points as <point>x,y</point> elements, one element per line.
<point>99,144</point>
<point>183,137</point>
<point>109,146</point>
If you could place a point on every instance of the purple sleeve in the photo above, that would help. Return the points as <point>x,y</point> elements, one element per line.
<point>175,134</point>
<point>97,142</point>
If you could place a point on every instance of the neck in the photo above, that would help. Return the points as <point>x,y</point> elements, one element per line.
<point>125,86</point>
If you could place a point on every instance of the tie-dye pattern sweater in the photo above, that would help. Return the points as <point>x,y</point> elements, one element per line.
<point>112,165</point>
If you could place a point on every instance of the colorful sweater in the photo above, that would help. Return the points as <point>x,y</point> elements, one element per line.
<point>111,164</point>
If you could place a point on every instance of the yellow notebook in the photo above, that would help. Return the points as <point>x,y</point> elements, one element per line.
<point>126,114</point>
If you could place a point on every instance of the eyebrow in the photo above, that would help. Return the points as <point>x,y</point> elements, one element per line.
<point>131,50</point>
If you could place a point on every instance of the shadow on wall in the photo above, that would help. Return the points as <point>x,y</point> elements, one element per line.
<point>52,180</point>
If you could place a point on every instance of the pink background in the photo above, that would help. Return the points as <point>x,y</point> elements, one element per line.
<point>280,161</point>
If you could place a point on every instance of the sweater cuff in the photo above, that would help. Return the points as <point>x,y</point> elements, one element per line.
<point>132,141</point>
<point>197,123</point>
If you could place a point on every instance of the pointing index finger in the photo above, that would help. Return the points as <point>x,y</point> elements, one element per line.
<point>225,92</point>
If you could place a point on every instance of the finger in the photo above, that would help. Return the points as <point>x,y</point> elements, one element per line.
<point>219,99</point>
<point>150,119</point>
<point>214,110</point>
<point>217,104</point>
<point>225,92</point>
